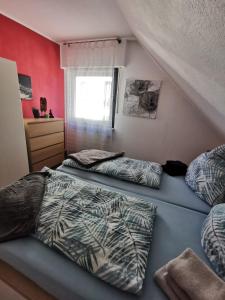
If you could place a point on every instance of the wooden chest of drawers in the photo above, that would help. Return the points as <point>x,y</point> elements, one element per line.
<point>45,142</point>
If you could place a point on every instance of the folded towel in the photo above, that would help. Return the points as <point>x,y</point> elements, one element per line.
<point>177,290</point>
<point>189,274</point>
<point>168,285</point>
<point>89,158</point>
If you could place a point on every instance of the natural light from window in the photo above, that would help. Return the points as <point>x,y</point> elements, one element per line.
<point>93,97</point>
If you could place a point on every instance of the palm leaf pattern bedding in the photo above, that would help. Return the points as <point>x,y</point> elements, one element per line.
<point>138,171</point>
<point>107,233</point>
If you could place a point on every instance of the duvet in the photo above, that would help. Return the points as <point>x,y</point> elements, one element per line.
<point>106,233</point>
<point>138,171</point>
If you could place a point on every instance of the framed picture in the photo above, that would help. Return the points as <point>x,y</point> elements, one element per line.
<point>25,87</point>
<point>141,98</point>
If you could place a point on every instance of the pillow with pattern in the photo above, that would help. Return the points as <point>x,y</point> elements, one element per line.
<point>206,176</point>
<point>213,238</point>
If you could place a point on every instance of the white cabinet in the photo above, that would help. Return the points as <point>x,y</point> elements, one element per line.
<point>13,152</point>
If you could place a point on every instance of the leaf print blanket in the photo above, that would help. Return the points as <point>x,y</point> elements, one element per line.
<point>138,171</point>
<point>107,233</point>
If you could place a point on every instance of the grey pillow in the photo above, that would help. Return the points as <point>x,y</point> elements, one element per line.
<point>213,238</point>
<point>206,176</point>
<point>19,205</point>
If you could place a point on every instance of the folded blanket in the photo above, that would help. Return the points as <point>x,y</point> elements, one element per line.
<point>189,274</point>
<point>167,284</point>
<point>19,205</point>
<point>139,171</point>
<point>107,233</point>
<point>89,158</point>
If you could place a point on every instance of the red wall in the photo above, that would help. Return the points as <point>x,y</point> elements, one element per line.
<point>37,57</point>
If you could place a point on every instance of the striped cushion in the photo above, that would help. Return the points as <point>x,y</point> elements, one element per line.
<point>206,176</point>
<point>213,238</point>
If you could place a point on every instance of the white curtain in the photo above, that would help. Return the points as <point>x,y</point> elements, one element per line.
<point>93,54</point>
<point>88,116</point>
<point>89,87</point>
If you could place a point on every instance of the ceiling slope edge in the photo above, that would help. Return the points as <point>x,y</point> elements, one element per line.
<point>207,94</point>
<point>19,21</point>
<point>209,112</point>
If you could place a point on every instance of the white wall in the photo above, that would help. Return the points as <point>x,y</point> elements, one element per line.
<point>180,131</point>
<point>13,151</point>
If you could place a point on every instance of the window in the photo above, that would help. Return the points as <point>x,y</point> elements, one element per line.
<point>95,95</point>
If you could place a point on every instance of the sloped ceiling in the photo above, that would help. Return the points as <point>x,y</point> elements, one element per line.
<point>187,38</point>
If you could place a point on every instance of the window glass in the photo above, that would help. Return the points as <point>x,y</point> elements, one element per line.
<point>93,97</point>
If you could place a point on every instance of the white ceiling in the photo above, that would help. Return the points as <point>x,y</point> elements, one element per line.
<point>187,38</point>
<point>62,20</point>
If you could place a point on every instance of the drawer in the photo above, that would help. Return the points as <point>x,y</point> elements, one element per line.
<point>38,129</point>
<point>46,140</point>
<point>49,162</point>
<point>47,152</point>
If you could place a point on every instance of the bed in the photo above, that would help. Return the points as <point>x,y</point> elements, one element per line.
<point>172,189</point>
<point>178,224</point>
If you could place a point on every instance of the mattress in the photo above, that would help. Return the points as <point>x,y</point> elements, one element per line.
<point>172,189</point>
<point>176,228</point>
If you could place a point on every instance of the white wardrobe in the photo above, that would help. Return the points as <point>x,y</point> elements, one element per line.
<point>13,152</point>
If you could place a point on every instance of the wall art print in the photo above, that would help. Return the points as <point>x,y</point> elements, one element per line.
<point>141,98</point>
<point>25,87</point>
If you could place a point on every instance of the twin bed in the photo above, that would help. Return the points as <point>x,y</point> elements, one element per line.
<point>180,214</point>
